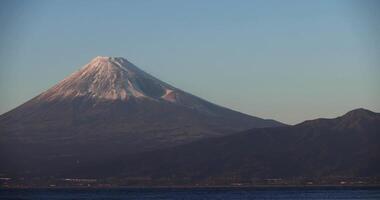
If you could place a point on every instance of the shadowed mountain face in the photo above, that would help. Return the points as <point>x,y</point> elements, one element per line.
<point>108,108</point>
<point>347,146</point>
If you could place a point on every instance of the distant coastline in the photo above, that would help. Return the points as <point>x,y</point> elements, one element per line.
<point>374,186</point>
<point>100,184</point>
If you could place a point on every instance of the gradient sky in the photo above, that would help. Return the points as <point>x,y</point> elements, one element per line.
<point>286,60</point>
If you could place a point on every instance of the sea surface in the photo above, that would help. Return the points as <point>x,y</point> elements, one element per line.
<point>193,193</point>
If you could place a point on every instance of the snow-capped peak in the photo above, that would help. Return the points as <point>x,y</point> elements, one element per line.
<point>111,78</point>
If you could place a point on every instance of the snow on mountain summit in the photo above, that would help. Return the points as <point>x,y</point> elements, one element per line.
<point>110,78</point>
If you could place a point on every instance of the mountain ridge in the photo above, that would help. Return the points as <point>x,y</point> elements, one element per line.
<point>356,118</point>
<point>316,151</point>
<point>311,150</point>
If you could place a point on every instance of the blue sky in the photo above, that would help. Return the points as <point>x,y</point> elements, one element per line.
<point>287,60</point>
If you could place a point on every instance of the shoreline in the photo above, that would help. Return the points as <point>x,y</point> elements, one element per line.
<point>374,186</point>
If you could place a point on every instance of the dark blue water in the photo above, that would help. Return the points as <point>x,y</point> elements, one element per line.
<point>190,194</point>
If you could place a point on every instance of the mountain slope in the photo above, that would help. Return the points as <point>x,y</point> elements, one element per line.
<point>111,107</point>
<point>347,146</point>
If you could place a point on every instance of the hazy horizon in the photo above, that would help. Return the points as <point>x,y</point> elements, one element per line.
<point>289,61</point>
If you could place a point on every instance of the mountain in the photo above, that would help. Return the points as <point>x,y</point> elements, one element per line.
<point>347,146</point>
<point>110,107</point>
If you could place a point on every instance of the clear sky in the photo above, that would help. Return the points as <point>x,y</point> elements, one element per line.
<point>286,60</point>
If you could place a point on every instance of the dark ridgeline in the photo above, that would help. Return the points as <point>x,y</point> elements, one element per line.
<point>108,109</point>
<point>347,146</point>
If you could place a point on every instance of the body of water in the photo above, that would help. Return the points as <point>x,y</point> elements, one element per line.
<point>193,193</point>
